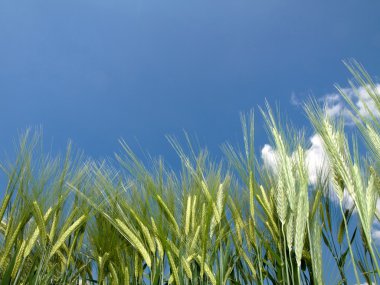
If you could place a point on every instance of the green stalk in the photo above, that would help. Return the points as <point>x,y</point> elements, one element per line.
<point>291,266</point>
<point>286,260</point>
<point>349,243</point>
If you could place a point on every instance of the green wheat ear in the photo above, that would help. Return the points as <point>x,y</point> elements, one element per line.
<point>66,234</point>
<point>134,241</point>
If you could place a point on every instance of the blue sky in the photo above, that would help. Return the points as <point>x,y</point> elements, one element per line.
<point>96,71</point>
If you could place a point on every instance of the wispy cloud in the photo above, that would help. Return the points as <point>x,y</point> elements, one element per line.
<point>295,100</point>
<point>335,105</point>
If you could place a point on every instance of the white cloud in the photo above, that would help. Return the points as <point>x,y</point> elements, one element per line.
<point>294,100</point>
<point>335,105</point>
<point>315,159</point>
<point>269,157</point>
<point>364,102</point>
<point>376,233</point>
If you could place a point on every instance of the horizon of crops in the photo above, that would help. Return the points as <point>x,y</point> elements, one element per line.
<point>73,220</point>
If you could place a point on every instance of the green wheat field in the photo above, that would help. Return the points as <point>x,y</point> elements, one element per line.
<point>72,220</point>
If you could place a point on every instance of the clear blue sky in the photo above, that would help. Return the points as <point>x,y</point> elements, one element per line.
<point>95,71</point>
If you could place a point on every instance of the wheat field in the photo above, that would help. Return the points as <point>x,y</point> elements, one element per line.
<point>72,220</point>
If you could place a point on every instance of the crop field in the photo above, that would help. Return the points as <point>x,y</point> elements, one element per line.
<point>72,220</point>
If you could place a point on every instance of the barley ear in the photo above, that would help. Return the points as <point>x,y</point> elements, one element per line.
<point>66,234</point>
<point>40,222</point>
<point>168,213</point>
<point>32,240</point>
<point>134,240</point>
<point>19,257</point>
<point>301,219</point>
<point>4,205</point>
<point>173,268</point>
<point>187,215</point>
